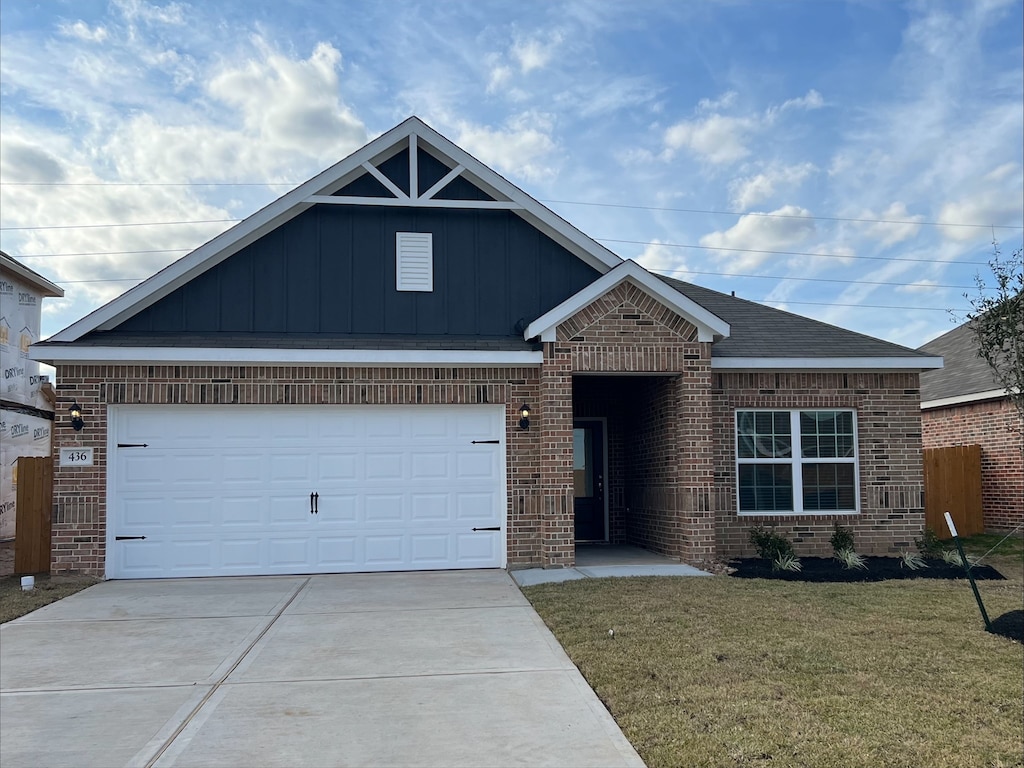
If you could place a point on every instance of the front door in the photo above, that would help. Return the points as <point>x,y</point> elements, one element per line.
<point>588,469</point>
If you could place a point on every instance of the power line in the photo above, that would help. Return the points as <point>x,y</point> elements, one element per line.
<point>811,279</point>
<point>784,215</point>
<point>786,253</point>
<point>101,253</point>
<point>758,301</point>
<point>702,211</point>
<point>130,224</point>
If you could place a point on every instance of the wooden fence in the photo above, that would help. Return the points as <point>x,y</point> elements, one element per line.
<point>32,520</point>
<point>952,483</point>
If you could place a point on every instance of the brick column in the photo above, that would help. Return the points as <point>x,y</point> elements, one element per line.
<point>696,450</point>
<point>558,546</point>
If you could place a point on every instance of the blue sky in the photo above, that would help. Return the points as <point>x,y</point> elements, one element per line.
<point>848,161</point>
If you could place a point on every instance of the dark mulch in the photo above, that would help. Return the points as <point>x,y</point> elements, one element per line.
<point>1011,625</point>
<point>828,569</point>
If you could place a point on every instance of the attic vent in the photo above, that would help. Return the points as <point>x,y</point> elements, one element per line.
<point>415,261</point>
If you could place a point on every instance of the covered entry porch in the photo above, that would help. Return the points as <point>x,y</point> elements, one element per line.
<point>641,466</point>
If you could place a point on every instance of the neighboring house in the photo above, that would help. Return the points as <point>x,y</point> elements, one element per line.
<point>26,397</point>
<point>408,363</point>
<point>964,404</point>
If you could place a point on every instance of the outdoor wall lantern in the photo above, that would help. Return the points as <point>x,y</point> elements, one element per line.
<point>524,413</point>
<point>76,417</point>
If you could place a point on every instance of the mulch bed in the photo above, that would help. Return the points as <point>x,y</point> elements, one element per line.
<point>828,570</point>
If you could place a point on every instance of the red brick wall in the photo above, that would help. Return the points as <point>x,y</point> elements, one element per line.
<point>626,331</point>
<point>889,444</point>
<point>996,426</point>
<point>79,515</point>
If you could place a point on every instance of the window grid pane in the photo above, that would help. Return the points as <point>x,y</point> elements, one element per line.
<point>767,461</point>
<point>766,488</point>
<point>764,435</point>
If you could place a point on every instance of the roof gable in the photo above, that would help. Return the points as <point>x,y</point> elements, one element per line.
<point>708,325</point>
<point>384,172</point>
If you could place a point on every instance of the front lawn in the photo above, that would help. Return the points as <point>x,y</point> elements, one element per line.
<point>727,672</point>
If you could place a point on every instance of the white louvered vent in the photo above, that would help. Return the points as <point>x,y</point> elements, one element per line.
<point>415,261</point>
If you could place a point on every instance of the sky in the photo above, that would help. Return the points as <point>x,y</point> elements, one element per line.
<point>847,161</point>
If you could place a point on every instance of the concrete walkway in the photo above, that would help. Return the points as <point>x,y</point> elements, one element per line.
<point>600,561</point>
<point>401,669</point>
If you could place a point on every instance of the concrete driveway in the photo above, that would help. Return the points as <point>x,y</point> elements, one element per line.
<point>399,669</point>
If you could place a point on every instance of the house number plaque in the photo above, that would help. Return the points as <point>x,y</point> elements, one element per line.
<point>76,457</point>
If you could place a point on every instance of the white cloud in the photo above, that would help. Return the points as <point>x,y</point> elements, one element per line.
<point>83,31</point>
<point>924,285</point>
<point>993,200</point>
<point>717,139</point>
<point>721,139</point>
<point>782,229</point>
<point>752,190</point>
<point>658,257</point>
<point>151,14</point>
<point>886,231</point>
<point>536,51</point>
<point>523,147</point>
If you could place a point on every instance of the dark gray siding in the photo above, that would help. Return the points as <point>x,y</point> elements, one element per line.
<point>331,271</point>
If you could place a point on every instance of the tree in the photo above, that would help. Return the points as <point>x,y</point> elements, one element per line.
<point>997,320</point>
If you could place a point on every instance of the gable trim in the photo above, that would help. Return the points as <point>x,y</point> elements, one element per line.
<point>709,326</point>
<point>974,397</point>
<point>826,363</point>
<point>410,133</point>
<point>68,355</point>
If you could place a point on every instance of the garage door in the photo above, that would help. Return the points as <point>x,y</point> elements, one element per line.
<point>214,491</point>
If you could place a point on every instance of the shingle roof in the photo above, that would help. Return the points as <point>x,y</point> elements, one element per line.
<point>964,373</point>
<point>760,331</point>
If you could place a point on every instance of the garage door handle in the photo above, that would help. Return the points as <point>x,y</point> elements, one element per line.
<point>493,528</point>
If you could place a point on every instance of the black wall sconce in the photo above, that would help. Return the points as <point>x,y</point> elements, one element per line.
<point>76,417</point>
<point>524,417</point>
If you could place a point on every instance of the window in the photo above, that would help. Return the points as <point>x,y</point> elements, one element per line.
<point>414,261</point>
<point>801,462</point>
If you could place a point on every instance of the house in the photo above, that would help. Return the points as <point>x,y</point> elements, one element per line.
<point>26,397</point>
<point>964,404</point>
<point>408,363</point>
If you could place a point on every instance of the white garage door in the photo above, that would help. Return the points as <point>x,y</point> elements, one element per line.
<point>238,490</point>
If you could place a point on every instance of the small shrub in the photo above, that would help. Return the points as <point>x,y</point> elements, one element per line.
<point>842,539</point>
<point>912,560</point>
<point>769,544</point>
<point>788,562</point>
<point>952,557</point>
<point>929,545</point>
<point>851,559</point>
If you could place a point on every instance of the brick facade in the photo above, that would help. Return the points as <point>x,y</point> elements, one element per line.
<point>625,358</point>
<point>996,426</point>
<point>889,446</point>
<point>79,512</point>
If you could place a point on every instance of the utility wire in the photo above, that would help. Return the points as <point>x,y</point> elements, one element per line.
<point>711,212</point>
<point>129,224</point>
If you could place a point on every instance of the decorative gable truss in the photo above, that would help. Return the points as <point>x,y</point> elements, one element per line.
<point>410,166</point>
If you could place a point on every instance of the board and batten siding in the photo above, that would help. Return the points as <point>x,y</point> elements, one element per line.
<point>331,271</point>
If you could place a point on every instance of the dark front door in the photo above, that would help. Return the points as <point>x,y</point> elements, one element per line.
<point>588,469</point>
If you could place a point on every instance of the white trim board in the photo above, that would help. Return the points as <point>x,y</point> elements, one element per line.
<point>413,133</point>
<point>709,326</point>
<point>285,356</point>
<point>974,397</point>
<point>825,363</point>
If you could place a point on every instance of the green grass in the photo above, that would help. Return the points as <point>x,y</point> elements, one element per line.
<point>729,672</point>
<point>15,602</point>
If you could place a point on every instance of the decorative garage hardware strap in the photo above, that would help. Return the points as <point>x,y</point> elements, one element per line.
<point>486,442</point>
<point>133,445</point>
<point>492,528</point>
<point>314,503</point>
<point>128,538</point>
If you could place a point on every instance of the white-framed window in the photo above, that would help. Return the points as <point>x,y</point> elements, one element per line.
<point>414,261</point>
<point>800,461</point>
